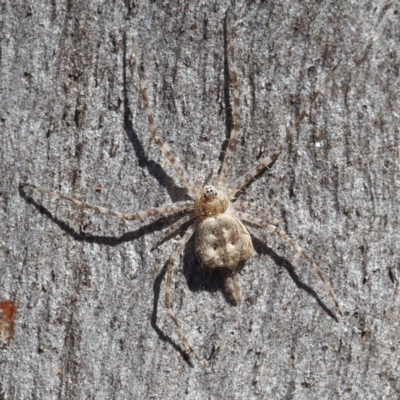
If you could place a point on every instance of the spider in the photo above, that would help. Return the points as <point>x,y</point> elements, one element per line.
<point>222,242</point>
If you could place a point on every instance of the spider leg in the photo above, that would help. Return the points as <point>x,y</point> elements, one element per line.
<point>165,149</point>
<point>165,209</point>
<point>230,151</point>
<point>176,225</point>
<point>170,264</point>
<point>245,205</point>
<point>238,184</point>
<point>274,229</point>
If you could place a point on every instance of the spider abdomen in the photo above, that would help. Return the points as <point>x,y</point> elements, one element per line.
<point>223,244</point>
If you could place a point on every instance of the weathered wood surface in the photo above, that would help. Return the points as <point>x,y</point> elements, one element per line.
<point>91,320</point>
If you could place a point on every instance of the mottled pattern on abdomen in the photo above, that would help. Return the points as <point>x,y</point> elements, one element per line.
<point>223,243</point>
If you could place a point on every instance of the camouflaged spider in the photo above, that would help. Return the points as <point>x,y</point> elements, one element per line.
<point>222,242</point>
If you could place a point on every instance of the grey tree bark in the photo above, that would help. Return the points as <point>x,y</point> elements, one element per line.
<point>91,321</point>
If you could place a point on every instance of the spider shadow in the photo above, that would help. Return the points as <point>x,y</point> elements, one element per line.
<point>197,278</point>
<point>153,319</point>
<point>175,192</point>
<point>226,99</point>
<point>261,248</point>
<point>88,238</point>
<point>115,241</point>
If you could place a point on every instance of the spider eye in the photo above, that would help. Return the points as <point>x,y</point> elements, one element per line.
<point>210,192</point>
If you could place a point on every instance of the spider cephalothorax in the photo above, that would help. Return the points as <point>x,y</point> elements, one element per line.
<point>211,202</point>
